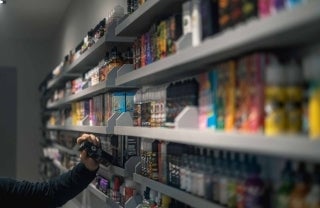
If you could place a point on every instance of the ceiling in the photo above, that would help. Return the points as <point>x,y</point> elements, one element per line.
<point>31,19</point>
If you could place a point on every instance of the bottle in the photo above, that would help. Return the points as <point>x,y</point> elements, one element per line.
<point>216,177</point>
<point>115,59</point>
<point>264,8</point>
<point>294,3</point>
<point>313,198</point>
<point>103,70</point>
<point>277,5</point>
<point>201,174</point>
<point>137,99</point>
<point>255,186</point>
<point>275,97</point>
<point>208,172</point>
<point>188,170</point>
<point>311,73</point>
<point>242,177</point>
<point>283,192</point>
<point>300,189</point>
<point>183,169</point>
<point>195,165</point>
<point>234,167</point>
<point>223,181</point>
<point>294,94</point>
<point>153,162</point>
<point>165,201</point>
<point>314,111</point>
<point>128,56</point>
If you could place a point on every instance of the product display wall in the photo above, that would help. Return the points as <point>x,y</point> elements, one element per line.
<point>194,114</point>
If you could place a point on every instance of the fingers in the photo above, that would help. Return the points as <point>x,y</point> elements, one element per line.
<point>89,137</point>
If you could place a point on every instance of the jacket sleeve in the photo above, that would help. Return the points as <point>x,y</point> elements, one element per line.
<point>53,193</point>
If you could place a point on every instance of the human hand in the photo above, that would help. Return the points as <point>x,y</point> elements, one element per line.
<point>90,163</point>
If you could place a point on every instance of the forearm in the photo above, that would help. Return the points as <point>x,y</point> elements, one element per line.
<point>70,184</point>
<point>54,193</point>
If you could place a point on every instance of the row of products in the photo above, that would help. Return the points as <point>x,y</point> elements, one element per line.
<point>201,19</point>
<point>94,111</point>
<point>158,42</point>
<point>113,59</point>
<point>93,35</point>
<point>230,179</point>
<point>158,106</point>
<point>259,92</point>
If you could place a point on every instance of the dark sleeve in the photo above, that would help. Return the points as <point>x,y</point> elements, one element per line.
<point>53,193</point>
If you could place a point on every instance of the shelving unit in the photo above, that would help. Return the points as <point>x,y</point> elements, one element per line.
<point>290,27</point>
<point>297,27</point>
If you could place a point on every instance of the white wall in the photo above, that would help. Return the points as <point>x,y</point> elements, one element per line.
<point>31,59</point>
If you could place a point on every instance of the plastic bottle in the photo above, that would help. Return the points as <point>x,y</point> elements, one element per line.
<point>314,111</point>
<point>223,181</point>
<point>216,177</point>
<point>294,93</point>
<point>301,188</point>
<point>208,171</point>
<point>233,180</point>
<point>188,179</point>
<point>313,198</point>
<point>311,66</point>
<point>283,193</point>
<point>255,187</point>
<point>183,169</point>
<point>165,201</point>
<point>276,6</point>
<point>201,174</point>
<point>293,3</point>
<point>275,97</point>
<point>241,185</point>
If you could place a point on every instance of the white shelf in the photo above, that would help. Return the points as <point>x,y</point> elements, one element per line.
<point>297,147</point>
<point>88,129</point>
<point>287,28</point>
<point>140,20</point>
<point>175,193</point>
